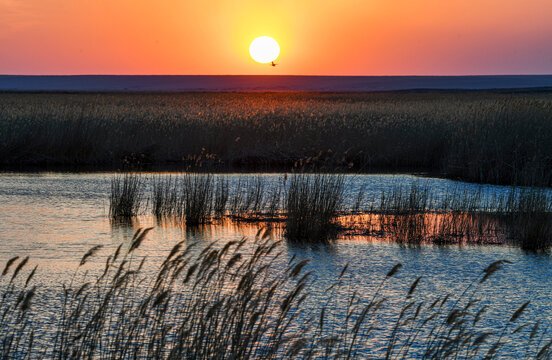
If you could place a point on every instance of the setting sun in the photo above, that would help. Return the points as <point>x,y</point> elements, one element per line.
<point>264,49</point>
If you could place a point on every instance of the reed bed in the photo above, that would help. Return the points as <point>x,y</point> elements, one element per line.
<point>439,228</point>
<point>487,137</point>
<point>411,198</point>
<point>244,299</point>
<point>312,205</point>
<point>250,199</point>
<point>527,214</point>
<point>410,214</point>
<point>201,197</point>
<point>190,197</point>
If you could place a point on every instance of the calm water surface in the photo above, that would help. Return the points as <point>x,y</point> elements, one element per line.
<point>56,218</point>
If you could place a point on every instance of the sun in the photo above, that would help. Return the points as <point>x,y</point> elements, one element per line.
<point>264,49</point>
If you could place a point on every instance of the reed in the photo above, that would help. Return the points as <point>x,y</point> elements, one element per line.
<point>312,204</point>
<point>236,202</point>
<point>256,196</point>
<point>412,198</point>
<point>221,196</point>
<point>528,219</point>
<point>126,196</point>
<point>189,197</point>
<point>521,216</point>
<point>358,201</point>
<point>408,213</point>
<point>274,201</point>
<point>404,210</point>
<point>197,197</point>
<point>486,137</point>
<point>243,299</point>
<point>165,197</point>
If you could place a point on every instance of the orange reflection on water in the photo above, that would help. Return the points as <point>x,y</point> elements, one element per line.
<point>439,228</point>
<point>425,227</point>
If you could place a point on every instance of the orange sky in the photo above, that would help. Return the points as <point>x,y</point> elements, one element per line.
<point>317,37</point>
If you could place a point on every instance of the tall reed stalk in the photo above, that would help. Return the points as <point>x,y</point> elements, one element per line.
<point>197,198</point>
<point>165,197</point>
<point>126,196</point>
<point>221,196</point>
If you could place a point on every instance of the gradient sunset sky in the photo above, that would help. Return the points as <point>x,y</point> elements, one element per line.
<point>322,37</point>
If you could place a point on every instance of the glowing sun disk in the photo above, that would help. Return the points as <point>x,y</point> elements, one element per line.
<point>264,49</point>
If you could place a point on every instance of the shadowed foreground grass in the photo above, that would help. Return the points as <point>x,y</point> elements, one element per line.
<point>486,137</point>
<point>244,299</point>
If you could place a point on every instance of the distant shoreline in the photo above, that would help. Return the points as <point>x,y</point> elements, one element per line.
<point>526,90</point>
<point>280,83</point>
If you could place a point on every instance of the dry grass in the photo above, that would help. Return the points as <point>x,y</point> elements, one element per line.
<point>477,136</point>
<point>243,300</point>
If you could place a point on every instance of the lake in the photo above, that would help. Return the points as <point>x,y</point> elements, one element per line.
<point>55,218</point>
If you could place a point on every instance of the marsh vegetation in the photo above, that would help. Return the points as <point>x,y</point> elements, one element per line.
<point>500,138</point>
<point>312,208</point>
<point>238,299</point>
<point>232,301</point>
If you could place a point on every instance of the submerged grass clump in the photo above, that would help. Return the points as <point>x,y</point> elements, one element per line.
<point>197,195</point>
<point>410,214</point>
<point>245,299</point>
<point>190,197</point>
<point>312,204</point>
<point>126,196</point>
<point>165,198</point>
<point>528,218</point>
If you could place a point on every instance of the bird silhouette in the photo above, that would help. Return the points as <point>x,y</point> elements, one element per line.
<point>273,64</point>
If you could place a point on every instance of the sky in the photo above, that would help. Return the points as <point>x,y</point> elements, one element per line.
<point>316,37</point>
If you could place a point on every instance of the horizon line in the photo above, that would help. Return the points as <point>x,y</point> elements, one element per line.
<point>291,75</point>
